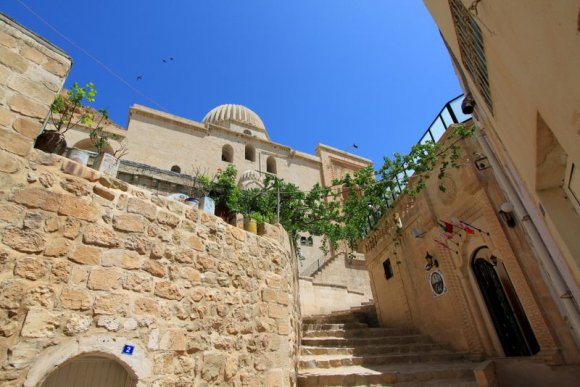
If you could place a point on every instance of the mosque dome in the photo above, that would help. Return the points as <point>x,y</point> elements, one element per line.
<point>235,113</point>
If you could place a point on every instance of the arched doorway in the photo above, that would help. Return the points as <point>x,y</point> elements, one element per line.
<point>90,371</point>
<point>509,319</point>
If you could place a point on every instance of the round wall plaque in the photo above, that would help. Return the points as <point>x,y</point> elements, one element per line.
<point>437,283</point>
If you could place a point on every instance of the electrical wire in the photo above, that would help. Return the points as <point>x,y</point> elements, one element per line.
<point>91,56</point>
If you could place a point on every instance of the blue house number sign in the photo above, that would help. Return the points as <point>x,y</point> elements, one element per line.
<point>128,349</point>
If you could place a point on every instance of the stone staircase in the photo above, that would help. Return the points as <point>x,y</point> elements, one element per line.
<point>346,349</point>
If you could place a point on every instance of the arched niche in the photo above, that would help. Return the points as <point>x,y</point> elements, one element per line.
<point>228,153</point>
<point>86,144</point>
<point>250,152</point>
<point>271,165</point>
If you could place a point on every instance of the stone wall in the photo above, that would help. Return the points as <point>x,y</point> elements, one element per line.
<point>89,264</point>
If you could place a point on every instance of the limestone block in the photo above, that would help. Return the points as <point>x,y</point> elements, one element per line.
<point>231,367</point>
<point>30,268</point>
<point>137,206</point>
<point>27,127</point>
<point>11,293</point>
<point>33,220</point>
<point>32,54</point>
<point>183,255</point>
<point>111,182</point>
<point>205,262</point>
<point>130,324</point>
<point>76,186</point>
<point>104,279</point>
<point>274,378</point>
<point>26,241</point>
<point>15,142</point>
<point>237,233</point>
<point>56,67</point>
<point>111,304</point>
<point>9,163</point>
<point>130,223</point>
<point>173,340</point>
<point>190,274</point>
<point>76,299</point>
<point>24,353</point>
<point>100,235</point>
<point>73,168</point>
<point>147,306</point>
<point>197,294</point>
<point>60,272</point>
<point>86,255</point>
<point>77,323</point>
<point>168,290</point>
<point>35,90</point>
<point>104,193</point>
<point>78,208</point>
<point>110,323</point>
<point>277,311</point>
<point>269,295</point>
<point>12,60</point>
<point>192,214</point>
<point>139,243</point>
<point>129,260</point>
<point>38,198</point>
<point>213,366</point>
<point>138,282</point>
<point>10,213</point>
<point>57,247</point>
<point>154,268</point>
<point>167,218</point>
<point>71,228</point>
<point>40,323</point>
<point>195,243</point>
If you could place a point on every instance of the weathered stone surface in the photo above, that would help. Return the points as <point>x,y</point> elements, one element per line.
<point>269,295</point>
<point>23,354</point>
<point>40,323</point>
<point>276,311</point>
<point>10,213</point>
<point>78,299</point>
<point>71,228</point>
<point>14,142</point>
<point>205,262</point>
<point>111,182</point>
<point>60,271</point>
<point>26,241</point>
<point>11,293</point>
<point>167,218</point>
<point>9,163</point>
<point>75,169</point>
<point>110,323</point>
<point>139,243</point>
<point>78,187</point>
<point>8,40</point>
<point>146,306</point>
<point>130,223</point>
<point>33,220</point>
<point>32,54</point>
<point>168,290</point>
<point>155,268</point>
<point>57,247</point>
<point>56,67</point>
<point>190,274</point>
<point>38,198</point>
<point>141,207</point>
<point>30,268</point>
<point>86,255</point>
<point>27,127</point>
<point>238,233</point>
<point>111,304</point>
<point>100,235</point>
<point>173,340</point>
<point>140,283</point>
<point>78,208</point>
<point>213,366</point>
<point>104,193</point>
<point>34,90</point>
<point>104,279</point>
<point>122,258</point>
<point>12,60</point>
<point>78,323</point>
<point>195,243</point>
<point>192,214</point>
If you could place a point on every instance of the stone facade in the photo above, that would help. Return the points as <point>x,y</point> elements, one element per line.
<point>458,313</point>
<point>89,264</point>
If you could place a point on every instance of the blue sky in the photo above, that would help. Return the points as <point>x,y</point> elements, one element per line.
<point>339,72</point>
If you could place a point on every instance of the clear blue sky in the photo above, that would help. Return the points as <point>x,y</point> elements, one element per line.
<point>338,72</point>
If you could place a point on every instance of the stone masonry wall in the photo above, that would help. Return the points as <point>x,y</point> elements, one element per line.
<point>88,259</point>
<point>89,264</point>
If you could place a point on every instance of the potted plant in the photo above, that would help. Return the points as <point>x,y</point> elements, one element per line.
<point>66,111</point>
<point>106,163</point>
<point>200,189</point>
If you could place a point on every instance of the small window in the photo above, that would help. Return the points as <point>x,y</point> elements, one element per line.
<point>306,241</point>
<point>228,153</point>
<point>250,152</point>
<point>388,268</point>
<point>176,168</point>
<point>271,165</point>
<point>247,132</point>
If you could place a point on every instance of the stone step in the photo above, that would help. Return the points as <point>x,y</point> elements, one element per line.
<point>368,332</point>
<point>324,327</point>
<point>331,361</point>
<point>363,341</point>
<point>419,374</point>
<point>373,349</point>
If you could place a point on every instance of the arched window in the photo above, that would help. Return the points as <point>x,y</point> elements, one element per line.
<point>228,153</point>
<point>271,165</point>
<point>250,152</point>
<point>176,168</point>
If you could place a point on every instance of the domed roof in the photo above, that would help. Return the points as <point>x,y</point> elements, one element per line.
<point>236,113</point>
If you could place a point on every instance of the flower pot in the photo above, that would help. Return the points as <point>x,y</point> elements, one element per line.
<point>237,220</point>
<point>207,204</point>
<point>107,164</point>
<point>51,141</point>
<point>79,155</point>
<point>250,225</point>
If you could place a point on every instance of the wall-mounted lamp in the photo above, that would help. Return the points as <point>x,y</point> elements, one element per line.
<point>506,212</point>
<point>430,262</point>
<point>468,103</point>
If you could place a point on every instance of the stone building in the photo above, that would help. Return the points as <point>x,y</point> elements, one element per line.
<point>519,61</point>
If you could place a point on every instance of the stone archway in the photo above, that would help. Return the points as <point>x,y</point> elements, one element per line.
<point>138,366</point>
<point>91,370</point>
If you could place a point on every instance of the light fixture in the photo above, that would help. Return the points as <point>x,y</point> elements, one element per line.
<point>506,212</point>
<point>430,262</point>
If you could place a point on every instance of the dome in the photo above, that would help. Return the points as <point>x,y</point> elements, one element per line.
<point>236,113</point>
